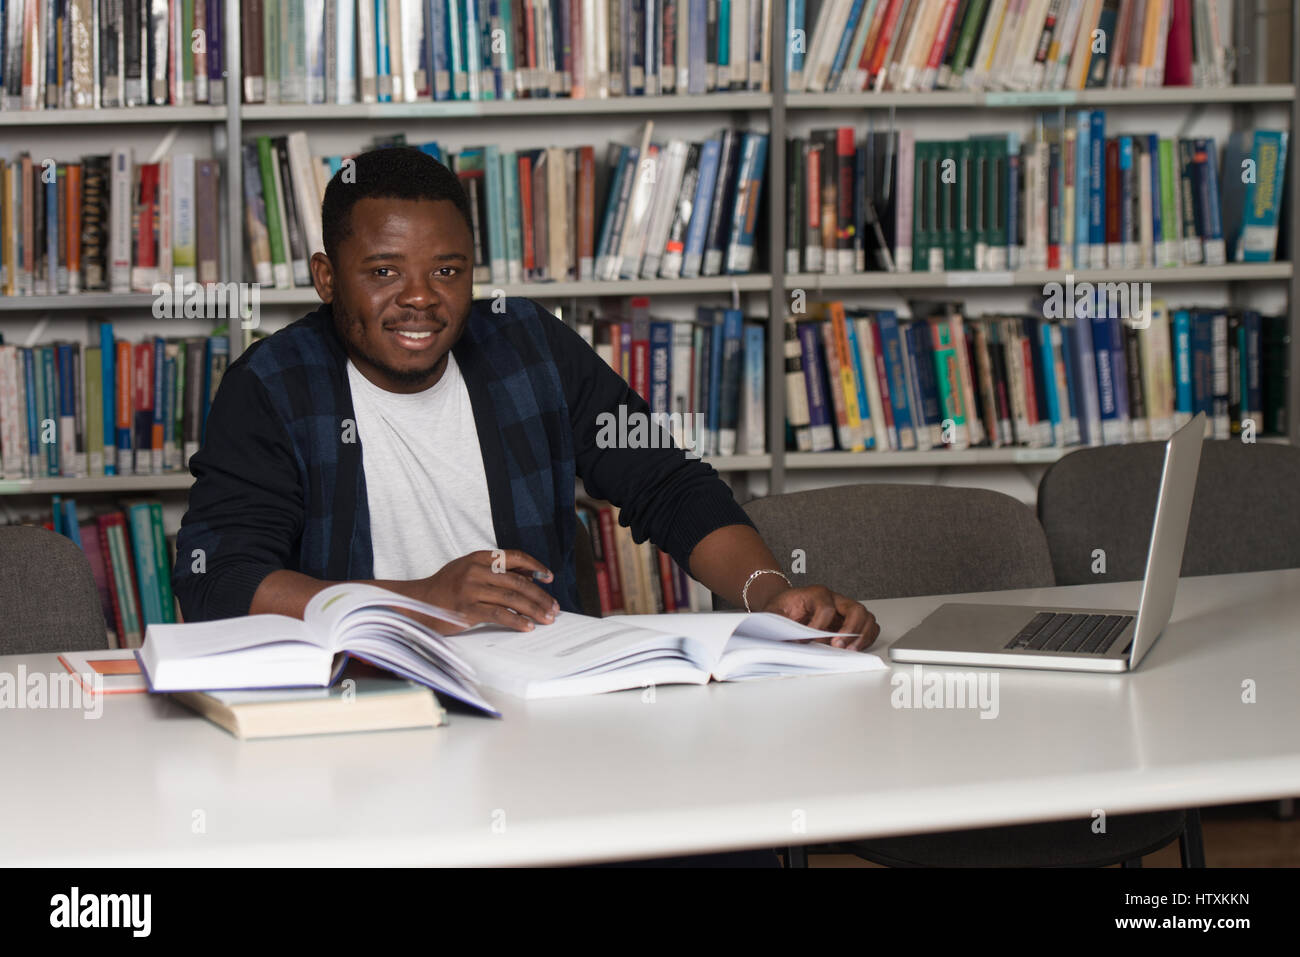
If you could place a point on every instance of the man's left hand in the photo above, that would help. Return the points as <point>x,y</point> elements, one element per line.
<point>818,607</point>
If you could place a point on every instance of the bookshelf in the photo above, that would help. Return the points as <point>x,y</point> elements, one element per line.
<point>228,125</point>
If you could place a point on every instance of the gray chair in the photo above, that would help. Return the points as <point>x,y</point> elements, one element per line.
<point>1245,516</point>
<point>47,593</point>
<point>888,541</point>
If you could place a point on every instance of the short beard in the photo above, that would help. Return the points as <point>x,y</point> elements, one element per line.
<point>343,320</point>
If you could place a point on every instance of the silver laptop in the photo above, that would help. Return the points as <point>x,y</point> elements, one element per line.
<point>1075,639</point>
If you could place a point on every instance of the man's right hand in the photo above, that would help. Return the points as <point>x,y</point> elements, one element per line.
<point>494,586</point>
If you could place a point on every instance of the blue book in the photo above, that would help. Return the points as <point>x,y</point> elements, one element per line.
<point>744,216</point>
<point>1202,364</point>
<point>1157,218</point>
<point>793,51</point>
<point>860,383</point>
<point>1106,399</point>
<point>920,360</point>
<point>473,33</point>
<point>1184,407</point>
<point>1119,374</point>
<point>1047,393</point>
<point>382,67</point>
<point>107,360</point>
<point>753,391</point>
<point>713,421</point>
<point>50,411</point>
<point>814,376</point>
<point>490,17</point>
<point>697,231</point>
<point>733,331</point>
<point>215,354</point>
<point>1206,180</point>
<point>438,57</point>
<point>159,394</point>
<point>70,526</point>
<point>1250,390</point>
<point>892,347</point>
<point>661,357</point>
<point>1086,379</point>
<point>1071,379</point>
<point>846,40</point>
<point>56,513</point>
<point>1258,241</point>
<point>1083,191</point>
<point>1012,217</point>
<point>1097,190</point>
<point>67,397</point>
<point>723,57</point>
<point>146,570</point>
<point>433,149</point>
<point>514,227</point>
<point>456,48</point>
<point>169,411</point>
<point>509,56</point>
<point>696,81</point>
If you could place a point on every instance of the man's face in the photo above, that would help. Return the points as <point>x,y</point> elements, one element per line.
<point>401,289</point>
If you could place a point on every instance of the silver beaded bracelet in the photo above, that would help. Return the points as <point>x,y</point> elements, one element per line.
<point>744,592</point>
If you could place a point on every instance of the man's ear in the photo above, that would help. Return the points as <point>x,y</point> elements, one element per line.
<point>322,276</point>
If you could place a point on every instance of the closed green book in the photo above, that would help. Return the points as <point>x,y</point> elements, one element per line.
<point>962,211</point>
<point>94,413</point>
<point>266,163</point>
<point>948,376</point>
<point>124,580</point>
<point>1169,238</point>
<point>923,206</point>
<point>966,41</point>
<point>162,561</point>
<point>146,568</point>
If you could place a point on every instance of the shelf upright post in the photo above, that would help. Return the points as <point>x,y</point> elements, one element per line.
<point>776,252</point>
<point>234,178</point>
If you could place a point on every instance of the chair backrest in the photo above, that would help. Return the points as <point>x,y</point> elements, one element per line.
<point>48,598</point>
<point>1245,516</point>
<point>584,559</point>
<point>874,541</point>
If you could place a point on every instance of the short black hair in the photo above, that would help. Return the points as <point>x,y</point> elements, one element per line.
<point>391,172</point>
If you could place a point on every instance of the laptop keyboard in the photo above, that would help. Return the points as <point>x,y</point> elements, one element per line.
<point>1078,633</point>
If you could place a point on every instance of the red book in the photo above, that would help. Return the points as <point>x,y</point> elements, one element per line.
<point>122,373</point>
<point>639,367</point>
<point>577,87</point>
<point>610,551</point>
<point>845,228</point>
<point>1114,190</point>
<point>95,545</point>
<point>602,587</point>
<point>146,235</point>
<point>813,190</point>
<point>1031,394</point>
<point>1178,53</point>
<point>666,579</point>
<point>873,35</point>
<point>586,258</point>
<point>945,27</point>
<point>882,40</point>
<point>526,209</point>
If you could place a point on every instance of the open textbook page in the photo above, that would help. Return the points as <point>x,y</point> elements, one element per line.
<point>578,655</point>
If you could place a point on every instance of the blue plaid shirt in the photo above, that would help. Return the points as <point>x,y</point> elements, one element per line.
<point>279,481</point>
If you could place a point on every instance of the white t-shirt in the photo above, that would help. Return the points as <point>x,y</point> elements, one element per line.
<point>425,483</point>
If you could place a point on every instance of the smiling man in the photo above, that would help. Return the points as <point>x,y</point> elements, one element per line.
<point>403,431</point>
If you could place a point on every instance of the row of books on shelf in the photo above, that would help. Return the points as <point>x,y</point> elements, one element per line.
<point>867,380</point>
<point>130,557</point>
<point>116,408</point>
<point>107,223</point>
<point>714,366</point>
<point>75,54</point>
<point>671,209</point>
<point>636,579</point>
<point>91,54</point>
<point>406,51</point>
<point>921,45</point>
<point>1071,198</point>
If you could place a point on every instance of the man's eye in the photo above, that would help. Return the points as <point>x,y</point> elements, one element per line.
<point>448,271</point>
<point>384,271</point>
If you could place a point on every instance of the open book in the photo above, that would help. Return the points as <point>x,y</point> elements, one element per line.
<point>276,651</point>
<point>578,655</point>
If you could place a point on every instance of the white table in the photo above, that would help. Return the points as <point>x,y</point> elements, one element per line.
<point>700,769</point>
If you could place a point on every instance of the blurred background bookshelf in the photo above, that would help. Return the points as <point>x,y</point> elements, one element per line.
<point>1255,89</point>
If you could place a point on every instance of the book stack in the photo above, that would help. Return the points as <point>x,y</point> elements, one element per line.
<point>1065,198</point>
<point>671,209</point>
<point>1014,45</point>
<point>859,379</point>
<point>91,54</point>
<point>107,223</point>
<point>116,408</point>
<point>131,560</point>
<point>408,51</point>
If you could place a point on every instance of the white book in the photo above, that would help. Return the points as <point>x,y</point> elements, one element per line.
<point>666,191</point>
<point>306,194</point>
<point>121,199</point>
<point>297,267</point>
<point>1054,77</point>
<point>595,48</point>
<point>184,248</point>
<point>738,49</point>
<point>817,68</point>
<point>633,236</point>
<point>680,378</point>
<point>764,65</point>
<point>902,74</point>
<point>904,186</point>
<point>854,78</point>
<point>366,51</point>
<point>1146,235</point>
<point>13,456</point>
<point>414,75</point>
